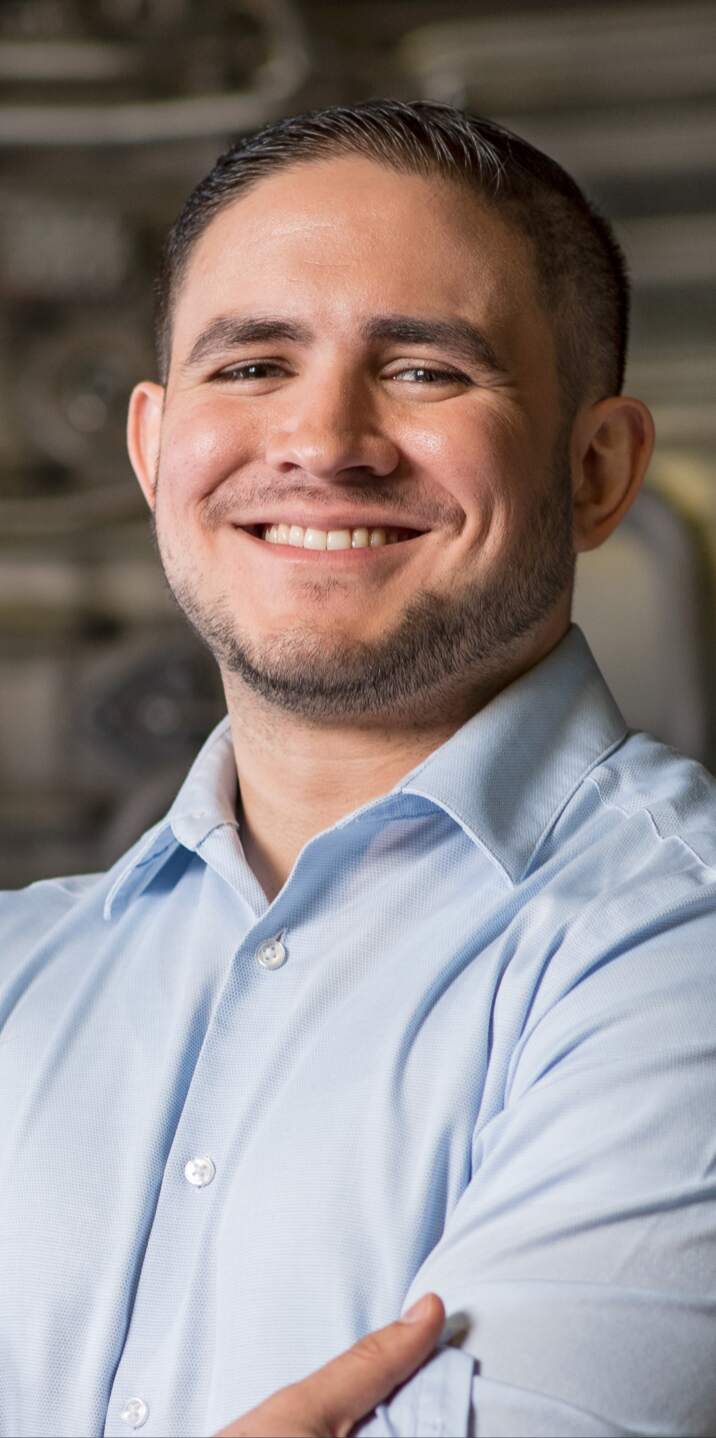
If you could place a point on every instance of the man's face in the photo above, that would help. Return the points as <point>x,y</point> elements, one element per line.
<point>342,420</point>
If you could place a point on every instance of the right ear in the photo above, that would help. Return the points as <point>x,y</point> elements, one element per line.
<point>144,426</point>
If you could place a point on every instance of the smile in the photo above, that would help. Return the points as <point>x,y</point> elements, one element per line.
<point>310,537</point>
<point>331,546</point>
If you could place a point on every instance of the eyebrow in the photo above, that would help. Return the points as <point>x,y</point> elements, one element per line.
<point>455,335</point>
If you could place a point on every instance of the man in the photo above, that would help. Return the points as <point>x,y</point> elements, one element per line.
<point>411,992</point>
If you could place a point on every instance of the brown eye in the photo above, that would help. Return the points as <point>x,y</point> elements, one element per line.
<point>247,371</point>
<point>433,376</point>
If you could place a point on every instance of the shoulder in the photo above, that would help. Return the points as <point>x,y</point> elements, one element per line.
<point>628,891</point>
<point>674,797</point>
<point>29,914</point>
<point>628,908</point>
<point>50,912</point>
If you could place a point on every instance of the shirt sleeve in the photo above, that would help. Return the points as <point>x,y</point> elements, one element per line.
<point>581,1256</point>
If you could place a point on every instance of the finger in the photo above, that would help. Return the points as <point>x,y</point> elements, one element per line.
<point>349,1386</point>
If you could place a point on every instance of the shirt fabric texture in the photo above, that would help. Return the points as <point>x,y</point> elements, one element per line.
<point>469,1047</point>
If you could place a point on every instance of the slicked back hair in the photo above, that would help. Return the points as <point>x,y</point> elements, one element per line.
<point>579,266</point>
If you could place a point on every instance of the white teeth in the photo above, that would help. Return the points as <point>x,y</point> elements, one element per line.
<point>315,539</point>
<point>300,538</point>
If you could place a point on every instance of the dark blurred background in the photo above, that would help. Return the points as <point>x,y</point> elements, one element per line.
<point>110,110</point>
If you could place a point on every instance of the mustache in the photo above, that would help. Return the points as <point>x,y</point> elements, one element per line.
<point>420,511</point>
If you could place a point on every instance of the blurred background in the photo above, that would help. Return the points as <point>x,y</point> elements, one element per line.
<point>110,111</point>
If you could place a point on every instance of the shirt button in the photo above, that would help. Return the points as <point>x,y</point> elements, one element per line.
<point>199,1171</point>
<point>135,1412</point>
<point>272,954</point>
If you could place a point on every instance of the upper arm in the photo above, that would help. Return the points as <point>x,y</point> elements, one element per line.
<point>583,1250</point>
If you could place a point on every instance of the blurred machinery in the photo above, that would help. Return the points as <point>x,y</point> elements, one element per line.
<point>109,111</point>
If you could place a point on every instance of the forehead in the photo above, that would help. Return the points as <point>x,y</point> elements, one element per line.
<point>345,236</point>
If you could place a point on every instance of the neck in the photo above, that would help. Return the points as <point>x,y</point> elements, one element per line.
<point>296,781</point>
<point>298,777</point>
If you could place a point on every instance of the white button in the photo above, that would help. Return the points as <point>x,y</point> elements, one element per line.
<point>135,1412</point>
<point>200,1171</point>
<point>272,954</point>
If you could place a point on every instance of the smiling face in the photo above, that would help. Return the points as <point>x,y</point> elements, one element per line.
<point>358,349</point>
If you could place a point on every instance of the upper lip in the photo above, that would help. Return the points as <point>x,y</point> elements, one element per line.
<point>332,520</point>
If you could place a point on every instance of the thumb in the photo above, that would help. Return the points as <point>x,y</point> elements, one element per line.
<point>349,1386</point>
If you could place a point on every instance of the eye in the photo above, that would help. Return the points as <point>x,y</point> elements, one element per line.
<point>433,376</point>
<point>243,371</point>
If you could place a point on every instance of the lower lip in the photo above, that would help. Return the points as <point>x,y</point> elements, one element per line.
<point>331,556</point>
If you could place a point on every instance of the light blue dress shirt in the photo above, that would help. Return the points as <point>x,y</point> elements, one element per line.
<point>469,1047</point>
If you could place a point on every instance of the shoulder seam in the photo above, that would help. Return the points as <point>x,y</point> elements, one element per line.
<point>644,809</point>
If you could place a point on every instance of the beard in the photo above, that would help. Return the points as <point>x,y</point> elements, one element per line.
<point>442,645</point>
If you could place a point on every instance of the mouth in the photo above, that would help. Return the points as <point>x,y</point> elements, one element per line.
<point>342,548</point>
<point>336,541</point>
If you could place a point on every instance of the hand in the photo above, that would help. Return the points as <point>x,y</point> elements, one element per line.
<point>332,1400</point>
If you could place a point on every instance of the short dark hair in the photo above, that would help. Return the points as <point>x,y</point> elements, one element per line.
<point>579,264</point>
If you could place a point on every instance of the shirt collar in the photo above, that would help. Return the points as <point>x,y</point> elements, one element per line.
<point>206,799</point>
<point>504,776</point>
<point>508,773</point>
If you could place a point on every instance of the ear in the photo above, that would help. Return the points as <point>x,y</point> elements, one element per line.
<point>612,443</point>
<point>144,425</point>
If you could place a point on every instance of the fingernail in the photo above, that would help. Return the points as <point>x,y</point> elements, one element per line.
<point>417,1311</point>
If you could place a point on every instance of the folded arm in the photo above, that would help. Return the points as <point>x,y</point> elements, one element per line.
<point>583,1251</point>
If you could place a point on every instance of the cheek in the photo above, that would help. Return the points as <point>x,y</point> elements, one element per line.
<point>489,467</point>
<point>201,445</point>
<point>477,459</point>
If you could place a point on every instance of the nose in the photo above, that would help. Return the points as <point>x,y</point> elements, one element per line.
<point>328,431</point>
